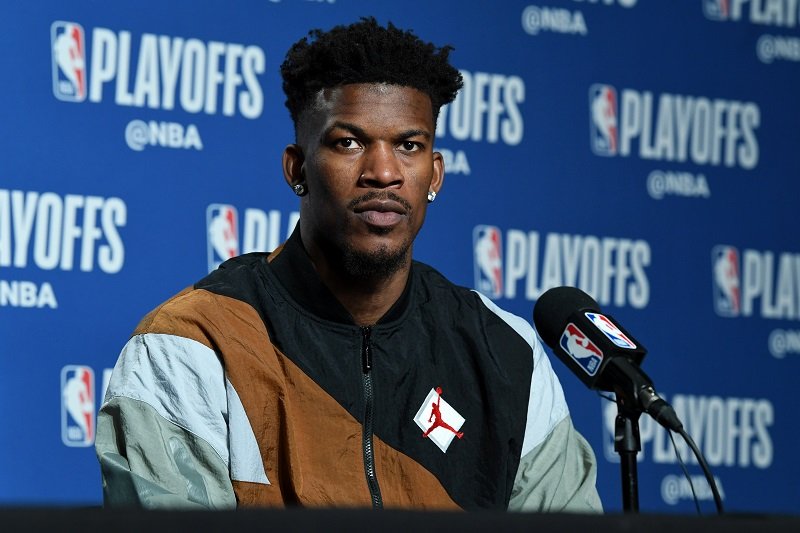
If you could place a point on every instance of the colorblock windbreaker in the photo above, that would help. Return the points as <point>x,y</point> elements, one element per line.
<point>255,387</point>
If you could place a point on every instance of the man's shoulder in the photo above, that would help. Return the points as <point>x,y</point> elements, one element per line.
<point>433,280</point>
<point>240,278</point>
<point>440,288</point>
<point>207,298</point>
<point>235,271</point>
<point>182,308</point>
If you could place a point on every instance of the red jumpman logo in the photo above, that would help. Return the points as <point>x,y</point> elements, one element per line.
<point>436,417</point>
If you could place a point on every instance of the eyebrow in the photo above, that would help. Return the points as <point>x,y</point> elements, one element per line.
<point>415,133</point>
<point>360,132</point>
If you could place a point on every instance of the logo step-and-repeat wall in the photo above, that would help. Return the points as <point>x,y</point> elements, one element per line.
<point>645,152</point>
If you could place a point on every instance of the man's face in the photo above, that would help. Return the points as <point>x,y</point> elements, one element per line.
<point>366,155</point>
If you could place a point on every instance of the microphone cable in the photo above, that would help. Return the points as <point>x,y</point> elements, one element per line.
<point>700,460</point>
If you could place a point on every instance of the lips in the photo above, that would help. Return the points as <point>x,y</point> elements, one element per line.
<point>382,213</point>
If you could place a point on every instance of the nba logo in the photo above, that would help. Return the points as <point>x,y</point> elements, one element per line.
<point>603,123</point>
<point>583,351</point>
<point>610,330</point>
<point>726,280</point>
<point>222,227</point>
<point>488,260</point>
<point>716,9</point>
<point>69,61</point>
<point>77,406</point>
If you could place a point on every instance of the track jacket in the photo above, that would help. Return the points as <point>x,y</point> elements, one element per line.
<point>255,388</point>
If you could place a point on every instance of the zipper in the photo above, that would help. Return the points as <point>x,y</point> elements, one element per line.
<point>369,452</point>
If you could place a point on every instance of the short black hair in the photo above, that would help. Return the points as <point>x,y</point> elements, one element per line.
<point>365,52</point>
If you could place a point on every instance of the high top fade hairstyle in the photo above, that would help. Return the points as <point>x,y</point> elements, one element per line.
<point>365,52</point>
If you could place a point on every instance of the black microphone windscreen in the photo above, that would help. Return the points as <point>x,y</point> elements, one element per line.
<point>553,309</point>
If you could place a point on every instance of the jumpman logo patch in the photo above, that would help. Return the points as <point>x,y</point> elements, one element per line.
<point>438,421</point>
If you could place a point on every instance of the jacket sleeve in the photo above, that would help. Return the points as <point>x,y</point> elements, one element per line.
<point>557,470</point>
<point>162,431</point>
<point>557,475</point>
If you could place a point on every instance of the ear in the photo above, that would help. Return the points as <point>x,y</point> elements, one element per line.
<point>293,164</point>
<point>438,172</point>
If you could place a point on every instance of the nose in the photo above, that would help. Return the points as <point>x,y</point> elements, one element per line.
<point>381,168</point>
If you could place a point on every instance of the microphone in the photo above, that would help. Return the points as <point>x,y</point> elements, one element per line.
<point>599,351</point>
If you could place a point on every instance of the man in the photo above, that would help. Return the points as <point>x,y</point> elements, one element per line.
<point>336,371</point>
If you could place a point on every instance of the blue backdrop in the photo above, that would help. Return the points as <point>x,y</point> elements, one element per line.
<point>644,151</point>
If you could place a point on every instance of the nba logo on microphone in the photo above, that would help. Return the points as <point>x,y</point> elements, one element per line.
<point>603,123</point>
<point>716,9</point>
<point>726,280</point>
<point>486,242</point>
<point>68,47</point>
<point>77,406</point>
<point>582,350</point>
<point>222,229</point>
<point>610,330</point>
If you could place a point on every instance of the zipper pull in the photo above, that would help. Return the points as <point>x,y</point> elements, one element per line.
<point>366,349</point>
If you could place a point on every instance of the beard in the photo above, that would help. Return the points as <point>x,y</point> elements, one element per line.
<point>376,264</point>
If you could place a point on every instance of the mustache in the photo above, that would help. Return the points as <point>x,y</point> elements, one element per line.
<point>380,195</point>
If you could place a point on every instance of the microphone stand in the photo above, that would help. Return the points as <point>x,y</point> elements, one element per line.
<point>628,383</point>
<point>627,443</point>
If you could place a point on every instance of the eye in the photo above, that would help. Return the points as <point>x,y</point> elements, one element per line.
<point>410,146</point>
<point>347,143</point>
